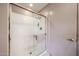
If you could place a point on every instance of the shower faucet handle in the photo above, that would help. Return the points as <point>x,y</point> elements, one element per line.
<point>35,36</point>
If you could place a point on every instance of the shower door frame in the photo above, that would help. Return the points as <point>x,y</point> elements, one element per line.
<point>10,11</point>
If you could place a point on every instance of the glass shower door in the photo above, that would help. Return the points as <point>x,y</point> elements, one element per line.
<point>21,34</point>
<point>39,35</point>
<point>27,33</point>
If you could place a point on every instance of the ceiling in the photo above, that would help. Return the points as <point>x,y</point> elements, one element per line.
<point>36,6</point>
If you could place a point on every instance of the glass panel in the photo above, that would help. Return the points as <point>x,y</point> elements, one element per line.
<point>39,36</point>
<point>27,34</point>
<point>21,33</point>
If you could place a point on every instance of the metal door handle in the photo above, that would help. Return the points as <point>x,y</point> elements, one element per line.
<point>70,40</point>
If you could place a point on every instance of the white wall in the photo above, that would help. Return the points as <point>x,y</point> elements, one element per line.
<point>4,29</point>
<point>60,14</point>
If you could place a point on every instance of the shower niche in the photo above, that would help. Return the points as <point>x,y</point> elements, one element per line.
<point>27,33</point>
